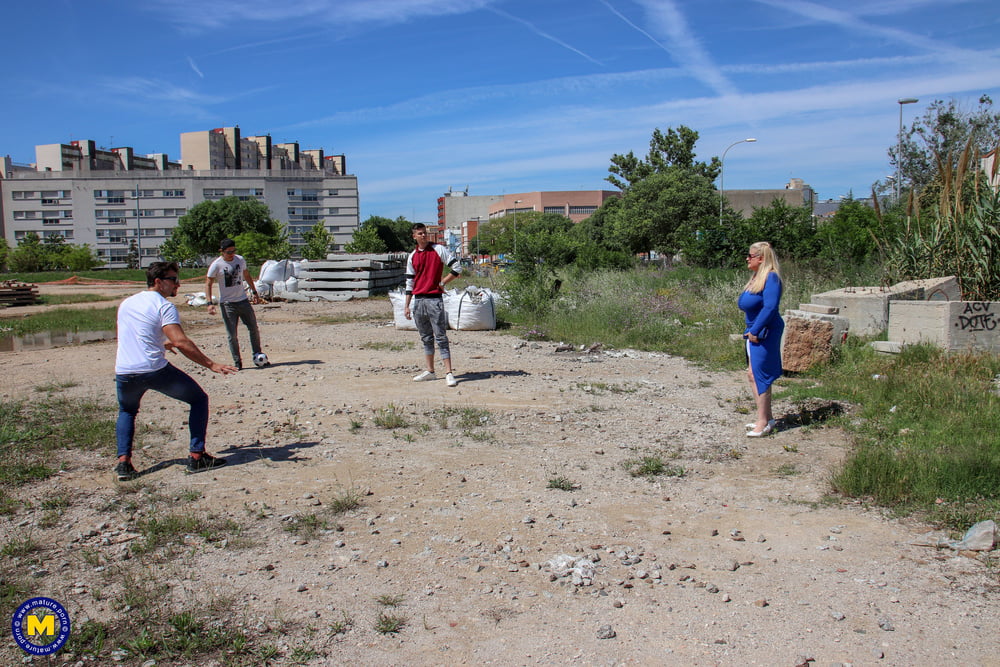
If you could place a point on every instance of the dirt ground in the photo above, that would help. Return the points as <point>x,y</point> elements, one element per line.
<point>744,559</point>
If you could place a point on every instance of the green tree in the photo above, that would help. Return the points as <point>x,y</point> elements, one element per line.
<point>653,211</point>
<point>207,223</point>
<point>667,151</point>
<point>81,258</point>
<point>4,254</point>
<point>317,242</point>
<point>849,236</point>
<point>256,247</point>
<point>366,240</point>
<point>946,139</point>
<point>29,256</point>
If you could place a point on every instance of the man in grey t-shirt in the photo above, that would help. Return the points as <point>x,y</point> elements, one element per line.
<point>231,272</point>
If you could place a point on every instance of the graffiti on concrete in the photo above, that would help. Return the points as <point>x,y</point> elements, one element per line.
<point>977,316</point>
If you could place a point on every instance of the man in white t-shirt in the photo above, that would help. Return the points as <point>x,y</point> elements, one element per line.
<point>231,272</point>
<point>148,326</point>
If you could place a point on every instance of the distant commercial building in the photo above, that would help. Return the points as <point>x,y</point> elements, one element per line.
<point>457,207</point>
<point>112,198</point>
<point>796,193</point>
<point>577,205</point>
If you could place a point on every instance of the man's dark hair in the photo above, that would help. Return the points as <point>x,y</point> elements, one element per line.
<point>226,243</point>
<point>418,225</point>
<point>159,270</point>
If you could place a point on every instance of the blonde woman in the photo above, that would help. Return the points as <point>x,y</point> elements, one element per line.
<point>760,302</point>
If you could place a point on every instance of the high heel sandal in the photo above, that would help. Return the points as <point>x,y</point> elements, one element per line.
<point>767,430</point>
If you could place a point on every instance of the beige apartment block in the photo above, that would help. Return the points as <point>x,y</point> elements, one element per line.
<point>111,198</point>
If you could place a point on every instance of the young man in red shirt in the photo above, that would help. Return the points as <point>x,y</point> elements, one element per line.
<point>425,287</point>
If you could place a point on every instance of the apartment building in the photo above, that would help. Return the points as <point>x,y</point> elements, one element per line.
<point>113,199</point>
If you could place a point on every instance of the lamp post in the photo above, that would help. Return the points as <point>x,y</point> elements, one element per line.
<point>899,142</point>
<point>722,172</point>
<point>516,202</point>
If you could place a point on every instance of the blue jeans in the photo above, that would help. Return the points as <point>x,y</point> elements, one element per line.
<point>168,381</point>
<point>232,313</point>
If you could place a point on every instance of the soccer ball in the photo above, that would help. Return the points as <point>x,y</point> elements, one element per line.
<point>260,360</point>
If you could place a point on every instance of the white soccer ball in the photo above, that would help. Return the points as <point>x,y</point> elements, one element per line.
<point>260,360</point>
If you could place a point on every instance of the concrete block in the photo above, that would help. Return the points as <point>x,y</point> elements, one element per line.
<point>817,308</point>
<point>809,338</point>
<point>886,346</point>
<point>867,308</point>
<point>955,326</point>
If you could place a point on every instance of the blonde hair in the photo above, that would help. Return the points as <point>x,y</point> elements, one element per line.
<point>768,264</point>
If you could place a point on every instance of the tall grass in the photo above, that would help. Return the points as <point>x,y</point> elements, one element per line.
<point>924,439</point>
<point>683,311</point>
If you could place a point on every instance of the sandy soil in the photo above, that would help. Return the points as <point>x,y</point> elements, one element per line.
<point>743,559</point>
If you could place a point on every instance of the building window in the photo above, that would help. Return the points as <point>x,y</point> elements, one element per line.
<point>173,193</point>
<point>582,210</point>
<point>209,192</point>
<point>22,194</point>
<point>333,210</point>
<point>147,212</point>
<point>333,193</point>
<point>554,209</point>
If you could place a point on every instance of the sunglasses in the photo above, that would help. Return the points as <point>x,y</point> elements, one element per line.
<point>173,278</point>
<point>229,251</point>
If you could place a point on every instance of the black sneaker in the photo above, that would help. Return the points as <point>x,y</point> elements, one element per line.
<point>239,365</point>
<point>206,462</point>
<point>125,471</point>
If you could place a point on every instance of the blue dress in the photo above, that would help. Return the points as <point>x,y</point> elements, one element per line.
<point>764,321</point>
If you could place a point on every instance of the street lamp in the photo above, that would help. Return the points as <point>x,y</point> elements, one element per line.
<point>722,172</point>
<point>516,202</point>
<point>899,144</point>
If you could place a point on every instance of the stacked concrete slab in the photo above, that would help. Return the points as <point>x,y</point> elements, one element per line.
<point>343,277</point>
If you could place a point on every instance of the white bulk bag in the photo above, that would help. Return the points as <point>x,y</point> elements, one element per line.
<point>272,271</point>
<point>471,309</point>
<point>398,300</point>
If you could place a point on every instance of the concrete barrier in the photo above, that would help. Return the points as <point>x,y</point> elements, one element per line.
<point>810,337</point>
<point>867,308</point>
<point>951,325</point>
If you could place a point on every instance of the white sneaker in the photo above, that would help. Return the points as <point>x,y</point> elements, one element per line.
<point>450,380</point>
<point>426,375</point>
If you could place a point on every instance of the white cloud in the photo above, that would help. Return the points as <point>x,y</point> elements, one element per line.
<point>209,14</point>
<point>194,66</point>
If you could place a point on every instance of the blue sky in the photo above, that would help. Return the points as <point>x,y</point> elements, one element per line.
<point>499,95</point>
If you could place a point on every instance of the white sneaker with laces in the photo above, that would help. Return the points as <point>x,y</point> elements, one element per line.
<point>450,380</point>
<point>426,375</point>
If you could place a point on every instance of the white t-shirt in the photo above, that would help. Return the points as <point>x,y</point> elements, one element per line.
<point>229,277</point>
<point>141,319</point>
